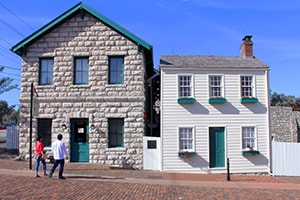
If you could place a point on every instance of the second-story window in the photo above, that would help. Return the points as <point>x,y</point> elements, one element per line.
<point>116,70</point>
<point>215,86</point>
<point>185,86</point>
<point>46,71</point>
<point>81,71</point>
<point>247,86</point>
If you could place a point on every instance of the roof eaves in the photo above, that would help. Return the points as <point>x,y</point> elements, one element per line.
<point>20,47</point>
<point>117,27</point>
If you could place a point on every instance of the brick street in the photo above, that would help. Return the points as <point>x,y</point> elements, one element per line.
<point>25,187</point>
<point>94,181</point>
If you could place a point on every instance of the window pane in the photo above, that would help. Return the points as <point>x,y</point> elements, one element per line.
<point>81,71</point>
<point>115,132</point>
<point>116,71</point>
<point>249,138</point>
<point>46,71</point>
<point>215,86</point>
<point>246,86</point>
<point>185,139</point>
<point>44,130</point>
<point>185,89</point>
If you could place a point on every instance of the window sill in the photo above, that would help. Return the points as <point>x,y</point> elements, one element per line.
<point>186,100</point>
<point>115,147</point>
<point>217,100</point>
<point>249,100</point>
<point>80,85</point>
<point>186,154</point>
<point>250,153</point>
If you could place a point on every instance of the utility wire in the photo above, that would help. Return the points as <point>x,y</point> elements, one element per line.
<point>4,50</point>
<point>13,68</point>
<point>10,44</point>
<point>11,59</point>
<point>12,28</point>
<point>11,74</point>
<point>17,16</point>
<point>24,11</point>
<point>13,79</point>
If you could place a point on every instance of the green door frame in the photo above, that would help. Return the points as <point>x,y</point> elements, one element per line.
<point>79,140</point>
<point>216,147</point>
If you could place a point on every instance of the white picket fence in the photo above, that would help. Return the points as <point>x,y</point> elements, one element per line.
<point>286,159</point>
<point>12,137</point>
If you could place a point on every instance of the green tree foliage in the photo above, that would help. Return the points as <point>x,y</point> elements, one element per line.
<point>6,83</point>
<point>282,99</point>
<point>7,113</point>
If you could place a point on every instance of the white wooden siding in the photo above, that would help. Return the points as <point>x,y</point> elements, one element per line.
<point>12,137</point>
<point>285,159</point>
<point>152,156</point>
<point>202,115</point>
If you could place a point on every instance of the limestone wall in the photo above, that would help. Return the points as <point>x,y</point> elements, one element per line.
<point>285,124</point>
<point>96,101</point>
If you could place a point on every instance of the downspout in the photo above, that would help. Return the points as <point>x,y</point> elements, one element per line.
<point>161,120</point>
<point>298,129</point>
<point>269,120</point>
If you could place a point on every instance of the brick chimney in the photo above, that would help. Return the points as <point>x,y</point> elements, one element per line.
<point>246,47</point>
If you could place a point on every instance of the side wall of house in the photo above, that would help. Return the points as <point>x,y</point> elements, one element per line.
<point>201,115</point>
<point>285,124</point>
<point>96,101</point>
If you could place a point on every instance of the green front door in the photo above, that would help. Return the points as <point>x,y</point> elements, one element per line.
<point>216,147</point>
<point>79,140</point>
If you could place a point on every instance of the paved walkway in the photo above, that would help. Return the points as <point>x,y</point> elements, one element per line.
<point>9,166</point>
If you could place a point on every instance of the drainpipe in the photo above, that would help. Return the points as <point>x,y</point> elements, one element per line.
<point>269,121</point>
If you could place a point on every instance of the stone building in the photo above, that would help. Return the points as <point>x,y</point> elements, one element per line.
<point>285,124</point>
<point>89,78</point>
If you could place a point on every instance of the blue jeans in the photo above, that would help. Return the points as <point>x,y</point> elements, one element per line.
<point>61,164</point>
<point>37,164</point>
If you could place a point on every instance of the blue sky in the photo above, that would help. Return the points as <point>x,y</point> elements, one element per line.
<point>175,27</point>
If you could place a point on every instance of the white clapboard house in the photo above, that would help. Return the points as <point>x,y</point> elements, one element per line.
<point>215,109</point>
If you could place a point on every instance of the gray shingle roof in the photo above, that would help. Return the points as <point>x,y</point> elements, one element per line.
<point>179,61</point>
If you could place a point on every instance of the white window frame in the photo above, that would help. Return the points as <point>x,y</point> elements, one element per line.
<point>193,139</point>
<point>221,86</point>
<point>254,143</point>
<point>253,84</point>
<point>191,85</point>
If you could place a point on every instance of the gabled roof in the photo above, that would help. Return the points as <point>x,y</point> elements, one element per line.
<point>20,47</point>
<point>228,62</point>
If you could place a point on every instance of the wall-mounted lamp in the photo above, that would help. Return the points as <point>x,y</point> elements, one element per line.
<point>64,126</point>
<point>92,127</point>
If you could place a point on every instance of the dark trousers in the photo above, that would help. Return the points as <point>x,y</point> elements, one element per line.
<point>61,164</point>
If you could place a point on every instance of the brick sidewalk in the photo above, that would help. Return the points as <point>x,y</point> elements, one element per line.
<point>88,170</point>
<point>96,181</point>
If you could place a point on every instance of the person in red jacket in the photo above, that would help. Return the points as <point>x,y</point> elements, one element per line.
<point>39,156</point>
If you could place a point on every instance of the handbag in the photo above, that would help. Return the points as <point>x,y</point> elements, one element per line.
<point>38,157</point>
